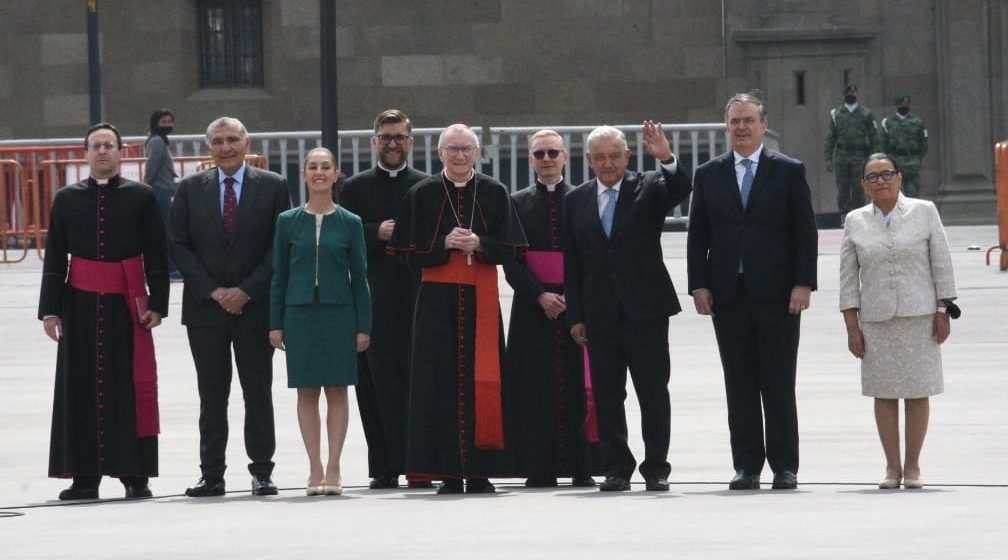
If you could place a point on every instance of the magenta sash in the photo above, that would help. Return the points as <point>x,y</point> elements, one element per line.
<point>127,278</point>
<point>546,265</point>
<point>590,424</point>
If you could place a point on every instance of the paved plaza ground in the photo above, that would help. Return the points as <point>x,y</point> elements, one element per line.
<point>836,513</point>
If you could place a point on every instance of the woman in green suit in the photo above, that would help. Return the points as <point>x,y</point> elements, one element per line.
<point>320,312</point>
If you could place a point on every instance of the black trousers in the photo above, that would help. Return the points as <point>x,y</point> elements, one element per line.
<point>643,348</point>
<point>384,432</point>
<point>758,343</point>
<point>211,350</point>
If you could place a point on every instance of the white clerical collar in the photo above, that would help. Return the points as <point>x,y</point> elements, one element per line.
<point>551,187</point>
<point>458,185</point>
<point>392,172</point>
<point>850,106</point>
<point>100,181</point>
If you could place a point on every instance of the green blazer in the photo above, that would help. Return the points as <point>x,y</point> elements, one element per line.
<point>339,260</point>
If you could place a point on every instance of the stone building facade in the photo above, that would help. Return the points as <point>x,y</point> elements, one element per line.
<point>529,62</point>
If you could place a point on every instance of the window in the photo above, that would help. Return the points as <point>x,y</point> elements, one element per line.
<point>230,35</point>
<point>799,87</point>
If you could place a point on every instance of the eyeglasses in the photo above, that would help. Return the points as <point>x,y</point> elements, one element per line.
<point>389,138</point>
<point>456,150</point>
<point>97,146</point>
<point>541,154</point>
<point>885,176</point>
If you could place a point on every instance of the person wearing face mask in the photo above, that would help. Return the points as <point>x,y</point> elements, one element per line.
<point>159,169</point>
<point>852,135</point>
<point>905,138</point>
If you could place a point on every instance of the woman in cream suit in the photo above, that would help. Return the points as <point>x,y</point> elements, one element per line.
<point>895,283</point>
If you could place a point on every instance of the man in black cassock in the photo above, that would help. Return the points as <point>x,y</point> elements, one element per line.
<point>544,363</point>
<point>383,370</point>
<point>106,240</point>
<point>457,227</point>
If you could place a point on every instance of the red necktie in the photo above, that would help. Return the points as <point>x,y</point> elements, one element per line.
<point>230,207</point>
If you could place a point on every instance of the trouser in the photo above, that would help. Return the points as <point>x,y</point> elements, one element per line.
<point>758,344</point>
<point>253,354</point>
<point>850,195</point>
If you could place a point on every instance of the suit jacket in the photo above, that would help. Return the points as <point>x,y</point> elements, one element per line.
<point>896,271</point>
<point>208,261</point>
<point>775,237</point>
<point>338,260</point>
<point>623,275</point>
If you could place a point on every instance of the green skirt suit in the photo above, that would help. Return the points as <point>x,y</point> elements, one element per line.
<point>319,295</point>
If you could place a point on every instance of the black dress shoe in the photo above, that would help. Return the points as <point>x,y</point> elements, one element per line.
<point>744,480</point>
<point>656,484</point>
<point>384,483</point>
<point>540,482</point>
<point>76,492</point>
<point>206,487</point>
<point>138,491</point>
<point>583,482</point>
<point>614,484</point>
<point>263,486</point>
<point>785,480</point>
<point>415,484</point>
<point>451,486</point>
<point>479,486</point>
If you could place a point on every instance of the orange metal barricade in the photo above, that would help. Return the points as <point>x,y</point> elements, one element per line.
<point>1001,164</point>
<point>13,223</point>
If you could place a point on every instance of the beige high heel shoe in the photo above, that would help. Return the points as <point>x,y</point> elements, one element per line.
<point>333,489</point>
<point>315,490</point>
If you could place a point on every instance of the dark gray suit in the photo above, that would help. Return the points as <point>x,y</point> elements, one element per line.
<point>620,289</point>
<point>208,260</point>
<point>776,241</point>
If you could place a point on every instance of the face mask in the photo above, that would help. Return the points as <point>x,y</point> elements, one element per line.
<point>903,110</point>
<point>165,130</point>
<point>850,99</point>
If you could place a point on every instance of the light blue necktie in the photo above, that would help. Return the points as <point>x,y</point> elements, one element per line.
<point>609,211</point>
<point>747,180</point>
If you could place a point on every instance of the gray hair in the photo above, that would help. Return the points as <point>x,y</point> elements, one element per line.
<point>739,98</point>
<point>225,121</point>
<point>458,127</point>
<point>606,132</point>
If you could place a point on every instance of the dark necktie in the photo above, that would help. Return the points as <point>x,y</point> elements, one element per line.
<point>747,180</point>
<point>230,213</point>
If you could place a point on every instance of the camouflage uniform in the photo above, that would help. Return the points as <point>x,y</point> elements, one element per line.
<point>852,137</point>
<point>905,139</point>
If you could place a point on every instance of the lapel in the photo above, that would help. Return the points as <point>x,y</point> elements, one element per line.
<point>211,199</point>
<point>728,177</point>
<point>246,204</point>
<point>763,169</point>
<point>627,194</point>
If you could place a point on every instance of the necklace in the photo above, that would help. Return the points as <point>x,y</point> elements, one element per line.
<point>458,219</point>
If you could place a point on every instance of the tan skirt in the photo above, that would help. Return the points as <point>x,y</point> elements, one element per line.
<point>901,359</point>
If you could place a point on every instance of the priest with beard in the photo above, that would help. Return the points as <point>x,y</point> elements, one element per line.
<point>544,363</point>
<point>383,370</point>
<point>457,227</point>
<point>106,245</point>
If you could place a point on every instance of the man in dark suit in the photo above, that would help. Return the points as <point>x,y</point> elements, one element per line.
<point>751,257</point>
<point>222,225</point>
<point>619,295</point>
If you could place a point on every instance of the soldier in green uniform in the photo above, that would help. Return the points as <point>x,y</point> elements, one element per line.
<point>851,138</point>
<point>905,138</point>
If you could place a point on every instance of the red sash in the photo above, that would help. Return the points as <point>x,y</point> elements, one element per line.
<point>546,265</point>
<point>127,278</point>
<point>487,380</point>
